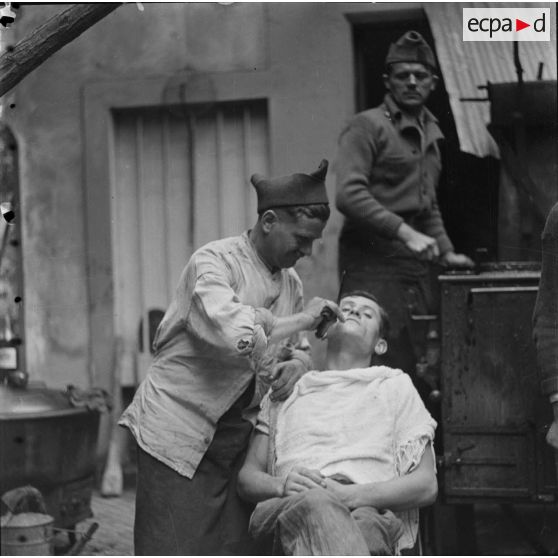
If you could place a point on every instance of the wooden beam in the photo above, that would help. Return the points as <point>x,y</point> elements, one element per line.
<point>44,41</point>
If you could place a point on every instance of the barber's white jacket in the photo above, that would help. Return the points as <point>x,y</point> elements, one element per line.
<point>211,342</point>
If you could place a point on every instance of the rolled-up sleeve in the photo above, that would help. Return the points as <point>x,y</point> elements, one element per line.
<point>217,316</point>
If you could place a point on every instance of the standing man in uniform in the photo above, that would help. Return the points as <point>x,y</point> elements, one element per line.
<point>232,330</point>
<point>388,168</point>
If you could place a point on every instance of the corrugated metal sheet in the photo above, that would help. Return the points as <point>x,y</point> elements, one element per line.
<point>466,65</point>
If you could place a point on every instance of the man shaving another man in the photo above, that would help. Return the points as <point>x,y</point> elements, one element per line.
<point>233,329</point>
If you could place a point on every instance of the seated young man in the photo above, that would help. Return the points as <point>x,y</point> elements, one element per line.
<point>342,465</point>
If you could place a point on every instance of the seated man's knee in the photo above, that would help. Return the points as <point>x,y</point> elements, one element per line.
<point>316,498</point>
<point>315,503</point>
<point>364,513</point>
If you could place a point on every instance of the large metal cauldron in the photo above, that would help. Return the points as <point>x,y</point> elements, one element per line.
<point>50,444</point>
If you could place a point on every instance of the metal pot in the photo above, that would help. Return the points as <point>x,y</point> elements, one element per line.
<point>27,534</point>
<point>50,444</point>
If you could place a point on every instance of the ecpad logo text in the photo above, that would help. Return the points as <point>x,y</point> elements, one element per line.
<point>506,24</point>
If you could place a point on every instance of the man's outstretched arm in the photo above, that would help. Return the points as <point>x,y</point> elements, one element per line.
<point>417,489</point>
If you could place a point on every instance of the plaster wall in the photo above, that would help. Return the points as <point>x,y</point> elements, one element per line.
<point>300,56</point>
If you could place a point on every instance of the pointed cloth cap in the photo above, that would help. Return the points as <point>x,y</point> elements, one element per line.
<point>411,47</point>
<point>294,189</point>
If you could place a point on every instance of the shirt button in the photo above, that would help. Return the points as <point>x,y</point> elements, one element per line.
<point>207,439</point>
<point>415,151</point>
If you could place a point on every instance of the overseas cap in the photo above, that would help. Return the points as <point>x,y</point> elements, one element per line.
<point>411,47</point>
<point>294,189</point>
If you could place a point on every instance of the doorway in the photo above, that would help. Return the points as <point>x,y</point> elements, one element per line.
<point>177,183</point>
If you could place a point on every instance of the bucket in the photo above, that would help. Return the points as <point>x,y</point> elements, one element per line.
<point>27,534</point>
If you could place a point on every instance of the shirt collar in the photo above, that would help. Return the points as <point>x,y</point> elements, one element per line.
<point>256,256</point>
<point>401,120</point>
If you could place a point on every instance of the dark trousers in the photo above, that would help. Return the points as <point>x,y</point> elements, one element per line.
<point>403,285</point>
<point>201,516</point>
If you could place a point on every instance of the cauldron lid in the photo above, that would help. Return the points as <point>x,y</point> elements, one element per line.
<point>32,400</point>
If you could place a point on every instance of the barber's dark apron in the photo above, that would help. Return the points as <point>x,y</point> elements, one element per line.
<point>200,516</point>
<point>403,285</point>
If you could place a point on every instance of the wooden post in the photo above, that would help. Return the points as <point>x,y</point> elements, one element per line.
<point>44,41</point>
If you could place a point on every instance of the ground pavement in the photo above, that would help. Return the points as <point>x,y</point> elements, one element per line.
<point>496,534</point>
